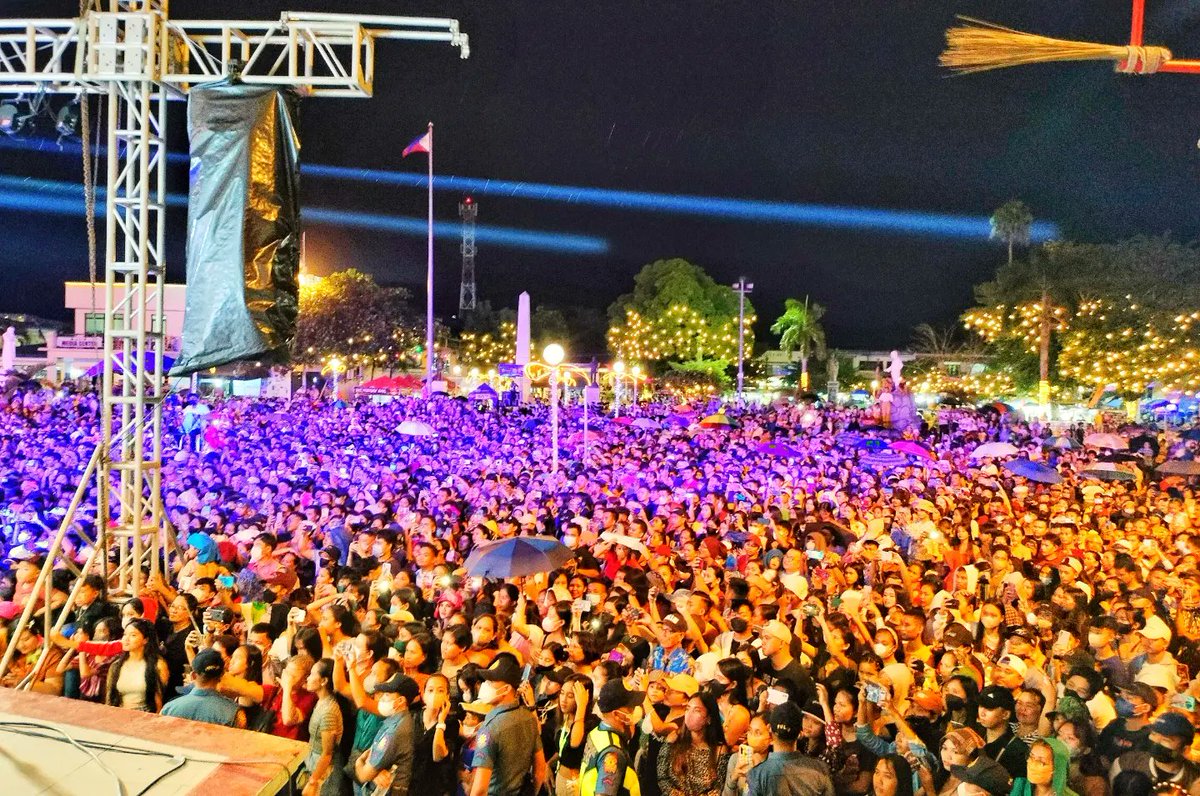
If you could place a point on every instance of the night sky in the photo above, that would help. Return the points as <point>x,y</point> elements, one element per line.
<point>832,103</point>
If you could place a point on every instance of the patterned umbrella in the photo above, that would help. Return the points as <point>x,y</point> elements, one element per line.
<point>517,557</point>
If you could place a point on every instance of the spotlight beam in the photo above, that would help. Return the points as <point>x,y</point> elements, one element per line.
<point>29,194</point>
<point>865,219</point>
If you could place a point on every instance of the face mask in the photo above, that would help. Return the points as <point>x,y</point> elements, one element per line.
<point>487,692</point>
<point>954,702</point>
<point>1095,640</point>
<point>377,550</point>
<point>882,650</point>
<point>387,707</point>
<point>400,645</point>
<point>369,684</point>
<point>1163,754</point>
<point>551,623</point>
<point>1125,708</point>
<point>256,554</point>
<point>990,622</point>
<point>594,599</point>
<point>738,625</point>
<point>570,541</point>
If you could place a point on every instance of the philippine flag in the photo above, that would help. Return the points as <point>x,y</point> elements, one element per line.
<point>422,144</point>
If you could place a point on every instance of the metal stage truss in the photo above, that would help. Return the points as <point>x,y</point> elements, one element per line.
<point>135,59</point>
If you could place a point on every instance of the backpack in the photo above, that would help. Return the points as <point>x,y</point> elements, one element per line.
<point>606,771</point>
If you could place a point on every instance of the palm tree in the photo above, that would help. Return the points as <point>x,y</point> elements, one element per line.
<point>935,342</point>
<point>1011,223</point>
<point>799,329</point>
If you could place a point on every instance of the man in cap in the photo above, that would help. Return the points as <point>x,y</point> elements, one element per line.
<point>778,668</point>
<point>508,747</point>
<point>1164,760</point>
<point>1155,661</point>
<point>984,777</point>
<point>203,703</point>
<point>389,759</point>
<point>1130,731</point>
<point>607,764</point>
<point>996,709</point>
<point>786,770</point>
<point>669,655</point>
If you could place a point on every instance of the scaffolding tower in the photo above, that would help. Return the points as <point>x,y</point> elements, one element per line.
<point>134,58</point>
<point>467,211</point>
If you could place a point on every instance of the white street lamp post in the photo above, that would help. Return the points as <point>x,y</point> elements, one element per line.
<point>742,287</point>
<point>618,374</point>
<point>553,356</point>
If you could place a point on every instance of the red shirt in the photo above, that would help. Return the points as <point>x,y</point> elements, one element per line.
<point>304,701</point>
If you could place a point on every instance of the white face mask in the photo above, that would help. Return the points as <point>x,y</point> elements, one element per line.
<point>594,599</point>
<point>255,553</point>
<point>570,541</point>
<point>377,549</point>
<point>369,684</point>
<point>487,692</point>
<point>990,622</point>
<point>551,623</point>
<point>387,707</point>
<point>882,650</point>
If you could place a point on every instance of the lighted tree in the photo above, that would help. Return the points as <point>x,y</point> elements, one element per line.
<point>1119,313</point>
<point>677,312</point>
<point>348,315</point>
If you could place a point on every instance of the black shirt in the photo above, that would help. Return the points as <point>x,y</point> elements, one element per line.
<point>1009,751</point>
<point>793,678</point>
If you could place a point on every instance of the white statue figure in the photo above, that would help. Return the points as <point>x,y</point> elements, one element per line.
<point>8,357</point>
<point>894,369</point>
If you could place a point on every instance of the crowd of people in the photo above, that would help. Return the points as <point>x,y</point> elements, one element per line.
<point>790,602</point>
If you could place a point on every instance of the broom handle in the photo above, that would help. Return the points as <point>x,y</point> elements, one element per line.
<point>1139,19</point>
<point>1188,67</point>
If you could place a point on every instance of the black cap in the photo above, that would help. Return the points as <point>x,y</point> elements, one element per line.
<point>997,696</point>
<point>956,635</point>
<point>614,696</point>
<point>786,721</point>
<point>401,685</point>
<point>503,669</point>
<point>208,664</point>
<point>985,773</point>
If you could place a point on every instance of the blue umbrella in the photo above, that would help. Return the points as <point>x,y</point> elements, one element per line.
<point>873,444</point>
<point>518,556</point>
<point>1034,471</point>
<point>885,460</point>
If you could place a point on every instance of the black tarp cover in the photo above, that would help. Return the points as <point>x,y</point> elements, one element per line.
<point>243,247</point>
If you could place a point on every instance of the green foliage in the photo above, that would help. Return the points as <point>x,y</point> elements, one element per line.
<point>715,371</point>
<point>799,328</point>
<point>677,312</point>
<point>349,315</point>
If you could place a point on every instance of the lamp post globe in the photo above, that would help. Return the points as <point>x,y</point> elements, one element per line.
<point>553,354</point>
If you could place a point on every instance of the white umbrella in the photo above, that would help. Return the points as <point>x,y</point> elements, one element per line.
<point>646,423</point>
<point>415,428</point>
<point>1101,440</point>
<point>625,541</point>
<point>993,450</point>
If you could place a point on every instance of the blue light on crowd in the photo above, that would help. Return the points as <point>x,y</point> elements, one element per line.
<point>30,194</point>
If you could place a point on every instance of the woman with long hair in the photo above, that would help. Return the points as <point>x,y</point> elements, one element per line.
<point>324,762</point>
<point>436,739</point>
<point>695,763</point>
<point>420,657</point>
<point>893,777</point>
<point>731,688</point>
<point>136,677</point>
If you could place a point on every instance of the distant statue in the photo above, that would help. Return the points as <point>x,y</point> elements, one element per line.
<point>895,367</point>
<point>8,356</point>
<point>831,368</point>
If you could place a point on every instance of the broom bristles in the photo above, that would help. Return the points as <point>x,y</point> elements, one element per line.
<point>980,46</point>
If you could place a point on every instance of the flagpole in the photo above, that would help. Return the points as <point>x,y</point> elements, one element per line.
<point>429,281</point>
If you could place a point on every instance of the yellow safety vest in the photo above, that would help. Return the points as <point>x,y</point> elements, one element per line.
<point>600,775</point>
